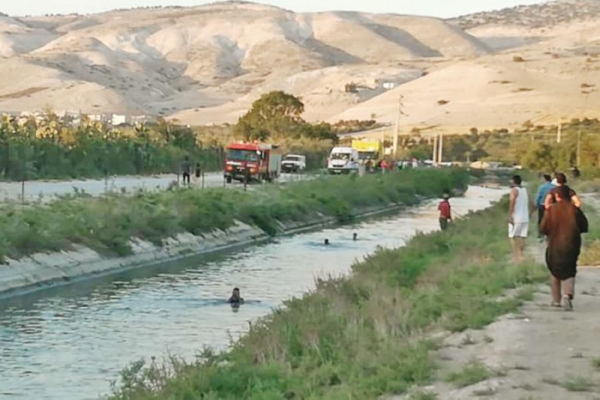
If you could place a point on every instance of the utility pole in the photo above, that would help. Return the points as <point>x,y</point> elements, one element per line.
<point>586,94</point>
<point>440,149</point>
<point>579,148</point>
<point>400,113</point>
<point>435,141</point>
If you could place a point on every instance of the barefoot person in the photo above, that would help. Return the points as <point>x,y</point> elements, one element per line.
<point>518,218</point>
<point>563,224</point>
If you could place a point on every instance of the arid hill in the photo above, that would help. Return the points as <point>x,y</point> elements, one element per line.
<point>541,15</point>
<point>168,60</point>
<point>207,64</point>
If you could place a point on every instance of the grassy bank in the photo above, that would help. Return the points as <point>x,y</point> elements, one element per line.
<point>108,224</point>
<point>363,336</point>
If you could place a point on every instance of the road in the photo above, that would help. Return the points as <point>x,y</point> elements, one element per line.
<point>48,190</point>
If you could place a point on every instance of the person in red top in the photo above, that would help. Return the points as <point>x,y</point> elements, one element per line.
<point>445,212</point>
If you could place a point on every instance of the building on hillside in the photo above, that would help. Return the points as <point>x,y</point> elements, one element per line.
<point>120,119</point>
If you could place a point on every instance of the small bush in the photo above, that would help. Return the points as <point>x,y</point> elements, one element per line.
<point>470,374</point>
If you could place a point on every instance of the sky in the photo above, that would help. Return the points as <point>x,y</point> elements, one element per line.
<point>435,8</point>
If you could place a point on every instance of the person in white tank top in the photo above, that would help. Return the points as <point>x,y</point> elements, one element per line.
<point>518,218</point>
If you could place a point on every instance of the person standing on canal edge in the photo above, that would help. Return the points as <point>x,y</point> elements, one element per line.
<point>445,212</point>
<point>518,218</point>
<point>186,168</point>
<point>543,191</point>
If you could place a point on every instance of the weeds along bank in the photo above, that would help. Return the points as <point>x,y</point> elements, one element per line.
<point>363,336</point>
<point>79,236</point>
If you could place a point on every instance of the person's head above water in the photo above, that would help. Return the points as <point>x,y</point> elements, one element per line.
<point>236,293</point>
<point>326,242</point>
<point>354,236</point>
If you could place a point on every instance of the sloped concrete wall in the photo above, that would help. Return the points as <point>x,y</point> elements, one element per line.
<point>46,270</point>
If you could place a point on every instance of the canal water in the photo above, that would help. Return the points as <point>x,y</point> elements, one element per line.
<point>72,342</point>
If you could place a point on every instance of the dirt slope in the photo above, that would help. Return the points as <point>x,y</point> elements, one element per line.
<point>169,60</point>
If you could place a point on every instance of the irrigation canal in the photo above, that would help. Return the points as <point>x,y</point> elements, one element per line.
<point>72,342</point>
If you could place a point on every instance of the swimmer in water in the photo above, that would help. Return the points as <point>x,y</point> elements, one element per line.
<point>355,236</point>
<point>235,298</point>
<point>326,242</point>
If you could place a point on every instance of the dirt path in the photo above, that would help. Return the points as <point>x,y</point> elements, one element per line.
<point>539,352</point>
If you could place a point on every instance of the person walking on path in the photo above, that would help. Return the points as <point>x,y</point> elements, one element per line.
<point>186,168</point>
<point>445,212</point>
<point>560,179</point>
<point>540,201</point>
<point>518,218</point>
<point>563,224</point>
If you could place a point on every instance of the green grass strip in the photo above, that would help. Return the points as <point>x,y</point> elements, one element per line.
<point>108,224</point>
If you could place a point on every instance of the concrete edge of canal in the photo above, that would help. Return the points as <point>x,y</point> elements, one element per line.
<point>46,270</point>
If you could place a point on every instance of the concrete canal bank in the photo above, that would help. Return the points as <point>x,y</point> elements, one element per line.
<point>43,270</point>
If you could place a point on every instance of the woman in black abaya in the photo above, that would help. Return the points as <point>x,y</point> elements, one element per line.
<point>563,223</point>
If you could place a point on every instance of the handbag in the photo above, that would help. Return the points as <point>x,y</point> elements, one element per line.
<point>582,221</point>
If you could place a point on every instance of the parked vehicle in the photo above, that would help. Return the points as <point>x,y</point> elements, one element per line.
<point>293,163</point>
<point>257,162</point>
<point>369,150</point>
<point>342,160</point>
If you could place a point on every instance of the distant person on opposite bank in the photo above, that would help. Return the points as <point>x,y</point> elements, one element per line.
<point>563,224</point>
<point>186,168</point>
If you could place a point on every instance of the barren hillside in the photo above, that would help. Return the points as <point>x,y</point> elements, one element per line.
<point>207,64</point>
<point>543,15</point>
<point>177,60</point>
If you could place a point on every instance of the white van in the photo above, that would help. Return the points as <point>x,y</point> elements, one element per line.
<point>342,160</point>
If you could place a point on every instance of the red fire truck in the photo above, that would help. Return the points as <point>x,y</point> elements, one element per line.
<point>257,161</point>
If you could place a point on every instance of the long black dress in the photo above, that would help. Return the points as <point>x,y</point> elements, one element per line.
<point>563,223</point>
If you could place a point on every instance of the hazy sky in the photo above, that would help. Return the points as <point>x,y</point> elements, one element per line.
<point>438,8</point>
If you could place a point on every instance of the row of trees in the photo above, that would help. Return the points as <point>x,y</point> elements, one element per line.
<point>537,148</point>
<point>50,148</point>
<point>53,148</point>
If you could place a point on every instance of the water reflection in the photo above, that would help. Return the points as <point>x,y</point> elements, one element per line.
<point>71,342</point>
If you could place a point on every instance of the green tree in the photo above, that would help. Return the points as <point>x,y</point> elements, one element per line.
<point>541,157</point>
<point>274,113</point>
